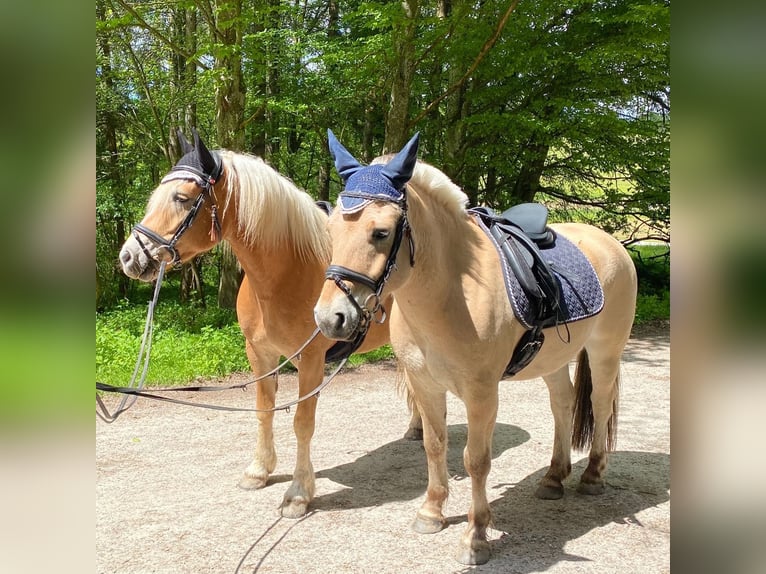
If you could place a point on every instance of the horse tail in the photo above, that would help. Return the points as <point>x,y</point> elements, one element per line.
<point>583,422</point>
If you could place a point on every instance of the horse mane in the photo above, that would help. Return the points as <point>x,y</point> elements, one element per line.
<point>272,211</point>
<point>430,181</point>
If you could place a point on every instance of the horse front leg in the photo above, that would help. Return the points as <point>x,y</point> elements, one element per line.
<point>477,458</point>
<point>265,459</point>
<point>433,410</point>
<point>301,491</point>
<point>561,394</point>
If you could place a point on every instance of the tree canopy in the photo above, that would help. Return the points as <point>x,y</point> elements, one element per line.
<point>516,101</point>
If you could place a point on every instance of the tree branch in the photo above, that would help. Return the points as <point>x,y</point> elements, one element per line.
<point>482,53</point>
<point>159,35</point>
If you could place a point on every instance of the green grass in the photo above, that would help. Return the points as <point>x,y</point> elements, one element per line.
<point>189,342</point>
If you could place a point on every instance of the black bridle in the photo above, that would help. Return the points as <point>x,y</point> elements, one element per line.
<point>340,274</point>
<point>206,181</point>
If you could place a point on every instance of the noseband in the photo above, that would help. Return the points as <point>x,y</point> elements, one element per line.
<point>339,274</point>
<point>204,180</point>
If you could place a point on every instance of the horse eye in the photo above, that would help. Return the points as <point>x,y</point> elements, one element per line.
<point>380,233</point>
<point>180,198</point>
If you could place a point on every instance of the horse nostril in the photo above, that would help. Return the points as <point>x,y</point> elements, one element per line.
<point>126,257</point>
<point>340,319</point>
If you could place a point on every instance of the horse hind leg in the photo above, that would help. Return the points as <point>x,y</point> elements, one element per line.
<point>595,422</point>
<point>561,393</point>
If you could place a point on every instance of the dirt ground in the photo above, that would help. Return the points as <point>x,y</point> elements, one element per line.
<point>167,499</point>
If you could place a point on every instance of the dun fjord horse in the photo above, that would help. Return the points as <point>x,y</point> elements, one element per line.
<point>453,328</point>
<point>281,240</point>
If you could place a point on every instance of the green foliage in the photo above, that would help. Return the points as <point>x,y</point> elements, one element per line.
<point>184,347</point>
<point>653,270</point>
<point>380,354</point>
<point>570,106</point>
<point>652,308</point>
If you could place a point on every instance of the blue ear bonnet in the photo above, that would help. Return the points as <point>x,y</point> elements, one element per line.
<point>364,185</point>
<point>367,185</point>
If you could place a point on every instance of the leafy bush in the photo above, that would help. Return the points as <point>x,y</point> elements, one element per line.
<point>652,307</point>
<point>653,269</point>
<point>188,342</point>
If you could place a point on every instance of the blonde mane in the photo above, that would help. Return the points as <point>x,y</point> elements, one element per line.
<point>272,211</point>
<point>434,183</point>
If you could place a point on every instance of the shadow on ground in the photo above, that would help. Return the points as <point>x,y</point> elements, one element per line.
<point>397,471</point>
<point>537,531</point>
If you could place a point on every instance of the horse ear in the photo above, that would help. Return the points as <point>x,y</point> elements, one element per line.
<point>399,170</point>
<point>206,158</point>
<point>183,143</point>
<point>345,163</point>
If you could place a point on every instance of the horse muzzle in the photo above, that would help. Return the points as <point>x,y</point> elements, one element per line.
<point>136,264</point>
<point>338,319</point>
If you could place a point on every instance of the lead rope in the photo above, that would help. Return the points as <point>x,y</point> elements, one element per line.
<point>143,355</point>
<point>134,390</point>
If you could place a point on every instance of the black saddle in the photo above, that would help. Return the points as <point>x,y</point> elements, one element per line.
<point>532,219</point>
<point>325,206</point>
<point>521,234</point>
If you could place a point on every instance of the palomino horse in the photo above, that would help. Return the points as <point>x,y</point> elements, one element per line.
<point>453,328</point>
<point>280,237</point>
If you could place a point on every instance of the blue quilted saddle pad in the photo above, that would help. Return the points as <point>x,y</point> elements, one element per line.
<point>580,292</point>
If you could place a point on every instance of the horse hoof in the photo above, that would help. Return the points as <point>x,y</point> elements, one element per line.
<point>427,525</point>
<point>414,434</point>
<point>591,488</point>
<point>548,492</point>
<point>477,554</point>
<point>295,508</point>
<point>252,482</point>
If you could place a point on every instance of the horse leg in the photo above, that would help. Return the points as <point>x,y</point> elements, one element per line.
<point>265,460</point>
<point>562,403</point>
<point>301,491</point>
<point>477,458</point>
<point>604,374</point>
<point>415,428</point>
<point>433,409</point>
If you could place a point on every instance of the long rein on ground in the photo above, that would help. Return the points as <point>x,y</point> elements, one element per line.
<point>135,388</point>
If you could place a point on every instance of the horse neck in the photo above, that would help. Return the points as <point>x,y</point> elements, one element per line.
<point>447,248</point>
<point>266,264</point>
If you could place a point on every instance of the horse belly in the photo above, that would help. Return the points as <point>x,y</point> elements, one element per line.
<point>560,347</point>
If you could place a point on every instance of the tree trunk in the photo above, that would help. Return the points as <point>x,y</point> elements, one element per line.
<point>230,115</point>
<point>397,121</point>
<point>230,88</point>
<point>191,281</point>
<point>114,173</point>
<point>325,169</point>
<point>230,274</point>
<point>185,78</point>
<point>528,182</point>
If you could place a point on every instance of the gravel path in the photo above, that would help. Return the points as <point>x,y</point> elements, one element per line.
<point>167,499</point>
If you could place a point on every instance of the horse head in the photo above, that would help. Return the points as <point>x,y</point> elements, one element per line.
<point>367,231</point>
<point>181,220</point>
